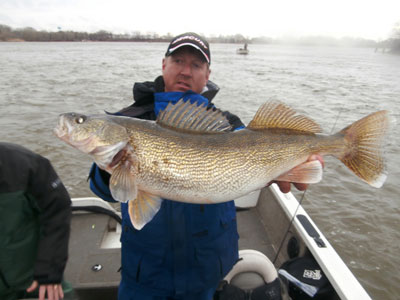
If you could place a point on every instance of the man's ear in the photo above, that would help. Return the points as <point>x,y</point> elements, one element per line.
<point>208,73</point>
<point>163,63</point>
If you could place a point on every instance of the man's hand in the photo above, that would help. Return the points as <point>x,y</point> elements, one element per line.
<point>54,291</point>
<point>284,186</point>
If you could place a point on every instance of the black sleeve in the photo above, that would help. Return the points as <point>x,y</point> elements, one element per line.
<point>234,120</point>
<point>54,206</point>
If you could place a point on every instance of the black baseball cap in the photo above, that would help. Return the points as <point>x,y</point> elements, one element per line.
<point>190,39</point>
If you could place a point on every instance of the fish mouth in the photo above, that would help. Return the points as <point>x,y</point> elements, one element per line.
<point>63,128</point>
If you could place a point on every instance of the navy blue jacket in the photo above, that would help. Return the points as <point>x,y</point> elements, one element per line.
<point>186,247</point>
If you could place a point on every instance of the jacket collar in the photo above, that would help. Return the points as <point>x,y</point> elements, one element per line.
<point>143,92</point>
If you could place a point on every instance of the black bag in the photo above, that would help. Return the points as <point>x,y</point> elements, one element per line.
<point>267,291</point>
<point>305,279</point>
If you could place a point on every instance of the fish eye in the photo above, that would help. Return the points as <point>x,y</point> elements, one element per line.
<point>80,119</point>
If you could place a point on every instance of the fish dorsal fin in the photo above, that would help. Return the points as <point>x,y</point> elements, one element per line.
<point>188,116</point>
<point>277,115</point>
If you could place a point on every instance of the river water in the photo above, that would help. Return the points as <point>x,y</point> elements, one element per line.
<point>334,86</point>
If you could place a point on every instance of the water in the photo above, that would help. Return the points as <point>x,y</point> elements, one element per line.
<point>334,86</point>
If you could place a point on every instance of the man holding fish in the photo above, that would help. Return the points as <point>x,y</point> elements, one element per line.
<point>186,249</point>
<point>195,155</point>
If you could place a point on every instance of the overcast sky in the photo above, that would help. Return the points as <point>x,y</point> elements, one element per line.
<point>371,19</point>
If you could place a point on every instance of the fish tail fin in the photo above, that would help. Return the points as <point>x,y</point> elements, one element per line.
<point>365,139</point>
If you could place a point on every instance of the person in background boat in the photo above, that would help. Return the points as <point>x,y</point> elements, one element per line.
<point>35,213</point>
<point>186,249</point>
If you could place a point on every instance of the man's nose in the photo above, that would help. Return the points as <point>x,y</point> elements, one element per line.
<point>186,70</point>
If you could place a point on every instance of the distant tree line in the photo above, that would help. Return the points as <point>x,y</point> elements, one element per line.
<point>30,34</point>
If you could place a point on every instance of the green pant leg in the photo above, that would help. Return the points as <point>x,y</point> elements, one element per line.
<point>67,289</point>
<point>8,295</point>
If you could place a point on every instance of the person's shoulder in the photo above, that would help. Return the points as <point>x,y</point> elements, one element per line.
<point>143,95</point>
<point>21,159</point>
<point>145,111</point>
<point>157,85</point>
<point>143,92</point>
<point>14,150</point>
<point>7,147</point>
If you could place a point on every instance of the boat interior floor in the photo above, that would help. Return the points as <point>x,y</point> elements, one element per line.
<point>94,261</point>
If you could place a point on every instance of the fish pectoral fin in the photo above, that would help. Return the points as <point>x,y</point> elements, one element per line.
<point>123,185</point>
<point>143,209</point>
<point>308,172</point>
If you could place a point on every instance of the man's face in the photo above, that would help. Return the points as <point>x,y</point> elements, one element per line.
<point>184,70</point>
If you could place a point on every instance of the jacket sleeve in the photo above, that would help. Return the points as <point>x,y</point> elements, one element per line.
<point>234,120</point>
<point>99,183</point>
<point>54,206</point>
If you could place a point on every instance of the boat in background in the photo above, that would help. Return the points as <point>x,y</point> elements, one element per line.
<point>278,239</point>
<point>243,50</point>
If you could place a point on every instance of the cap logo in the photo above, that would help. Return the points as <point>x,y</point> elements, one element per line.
<point>190,37</point>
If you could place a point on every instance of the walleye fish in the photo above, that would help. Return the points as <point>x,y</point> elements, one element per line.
<point>190,154</point>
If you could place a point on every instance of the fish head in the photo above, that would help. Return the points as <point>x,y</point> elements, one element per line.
<point>96,135</point>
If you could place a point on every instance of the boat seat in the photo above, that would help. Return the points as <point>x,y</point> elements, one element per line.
<point>252,270</point>
<point>253,277</point>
